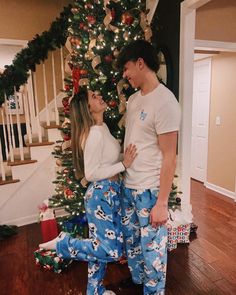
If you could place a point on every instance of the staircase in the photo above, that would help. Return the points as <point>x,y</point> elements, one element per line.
<point>27,166</point>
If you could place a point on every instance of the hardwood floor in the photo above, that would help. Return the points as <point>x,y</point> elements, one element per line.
<point>206,266</point>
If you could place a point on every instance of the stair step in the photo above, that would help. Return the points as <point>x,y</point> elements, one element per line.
<point>19,162</point>
<point>52,125</point>
<point>40,143</point>
<point>35,138</point>
<point>35,141</point>
<point>8,181</point>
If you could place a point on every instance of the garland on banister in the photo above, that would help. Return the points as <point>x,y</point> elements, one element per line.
<point>36,51</point>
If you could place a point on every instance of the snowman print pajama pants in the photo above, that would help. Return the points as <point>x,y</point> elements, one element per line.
<point>146,247</point>
<point>102,205</point>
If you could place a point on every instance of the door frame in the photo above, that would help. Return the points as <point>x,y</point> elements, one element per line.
<point>187,46</point>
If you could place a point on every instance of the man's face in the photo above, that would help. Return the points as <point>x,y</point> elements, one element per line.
<point>131,72</point>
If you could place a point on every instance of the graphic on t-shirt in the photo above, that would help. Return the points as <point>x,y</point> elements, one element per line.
<point>143,115</point>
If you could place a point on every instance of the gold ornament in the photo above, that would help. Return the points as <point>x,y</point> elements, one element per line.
<point>66,145</point>
<point>57,148</point>
<point>145,26</point>
<point>126,36</point>
<point>58,162</point>
<point>116,52</point>
<point>84,182</point>
<point>74,10</point>
<point>95,62</point>
<point>122,105</point>
<point>121,123</point>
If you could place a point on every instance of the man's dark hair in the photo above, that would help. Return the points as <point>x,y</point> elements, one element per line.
<point>138,49</point>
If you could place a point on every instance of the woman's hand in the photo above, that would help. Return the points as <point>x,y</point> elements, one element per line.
<point>130,155</point>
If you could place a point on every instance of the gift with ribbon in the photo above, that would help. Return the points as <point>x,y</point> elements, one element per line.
<point>49,260</point>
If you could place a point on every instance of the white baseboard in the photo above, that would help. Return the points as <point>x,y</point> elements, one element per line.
<point>23,221</point>
<point>221,190</point>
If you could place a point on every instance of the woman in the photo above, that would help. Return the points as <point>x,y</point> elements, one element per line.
<point>95,155</point>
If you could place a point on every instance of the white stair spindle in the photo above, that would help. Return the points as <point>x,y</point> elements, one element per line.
<point>31,102</point>
<point>9,131</point>
<point>19,128</point>
<point>27,117</point>
<point>55,90</point>
<point>46,95</point>
<point>37,107</point>
<point>1,164</point>
<point>4,134</point>
<point>62,69</point>
<point>12,130</point>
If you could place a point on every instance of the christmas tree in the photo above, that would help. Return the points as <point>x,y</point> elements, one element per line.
<point>97,32</point>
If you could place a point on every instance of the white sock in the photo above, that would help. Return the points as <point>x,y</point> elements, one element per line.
<point>51,245</point>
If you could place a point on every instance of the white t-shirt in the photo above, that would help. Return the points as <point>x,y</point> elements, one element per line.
<point>148,115</point>
<point>101,154</point>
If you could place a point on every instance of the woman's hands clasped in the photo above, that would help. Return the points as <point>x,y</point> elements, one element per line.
<point>129,155</point>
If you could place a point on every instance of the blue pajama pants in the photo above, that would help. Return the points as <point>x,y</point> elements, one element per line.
<point>146,247</point>
<point>102,205</point>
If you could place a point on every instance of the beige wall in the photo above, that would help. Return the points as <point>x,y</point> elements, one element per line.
<point>222,139</point>
<point>25,18</point>
<point>217,21</point>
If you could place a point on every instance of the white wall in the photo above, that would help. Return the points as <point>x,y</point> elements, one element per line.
<point>7,53</point>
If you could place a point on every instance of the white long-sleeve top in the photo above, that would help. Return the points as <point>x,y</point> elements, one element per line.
<point>101,154</point>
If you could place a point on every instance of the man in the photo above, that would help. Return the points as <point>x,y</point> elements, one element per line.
<point>152,124</point>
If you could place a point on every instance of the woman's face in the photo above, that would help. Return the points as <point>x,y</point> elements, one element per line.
<point>96,102</point>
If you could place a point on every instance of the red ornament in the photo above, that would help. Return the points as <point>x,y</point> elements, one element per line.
<point>113,14</point>
<point>127,18</point>
<point>81,25</point>
<point>91,19</point>
<point>108,58</point>
<point>112,103</point>
<point>65,101</point>
<point>69,194</point>
<point>67,87</point>
<point>66,137</point>
<point>88,5</point>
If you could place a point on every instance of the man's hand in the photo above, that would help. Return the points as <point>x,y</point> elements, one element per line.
<point>158,215</point>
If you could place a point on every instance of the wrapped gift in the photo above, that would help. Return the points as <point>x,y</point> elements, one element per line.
<point>172,238</point>
<point>76,226</point>
<point>183,233</point>
<point>49,260</point>
<point>48,222</point>
<point>178,228</point>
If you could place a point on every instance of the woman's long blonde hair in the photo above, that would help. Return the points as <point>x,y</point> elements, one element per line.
<point>81,121</point>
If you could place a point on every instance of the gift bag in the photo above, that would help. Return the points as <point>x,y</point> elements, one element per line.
<point>49,228</point>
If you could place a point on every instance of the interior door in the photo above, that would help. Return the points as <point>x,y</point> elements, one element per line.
<point>200,118</point>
